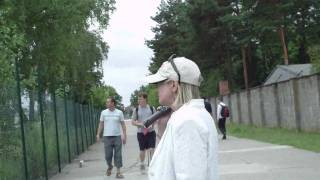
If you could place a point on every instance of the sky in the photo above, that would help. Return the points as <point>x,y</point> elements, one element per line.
<point>128,58</point>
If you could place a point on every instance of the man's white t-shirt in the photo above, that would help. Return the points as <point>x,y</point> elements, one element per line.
<point>112,122</point>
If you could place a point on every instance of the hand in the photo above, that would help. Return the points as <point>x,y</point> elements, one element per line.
<point>124,139</point>
<point>141,125</point>
<point>98,138</point>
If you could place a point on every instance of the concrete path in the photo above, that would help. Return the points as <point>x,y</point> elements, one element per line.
<point>239,159</point>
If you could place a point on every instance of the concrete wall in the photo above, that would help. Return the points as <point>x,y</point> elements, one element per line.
<point>292,104</point>
<point>308,94</point>
<point>256,107</point>
<point>244,108</point>
<point>234,108</point>
<point>286,104</point>
<point>269,106</point>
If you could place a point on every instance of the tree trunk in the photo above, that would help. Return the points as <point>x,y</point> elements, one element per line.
<point>244,63</point>
<point>250,68</point>
<point>284,46</point>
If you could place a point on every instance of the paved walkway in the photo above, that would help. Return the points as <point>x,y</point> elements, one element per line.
<point>239,159</point>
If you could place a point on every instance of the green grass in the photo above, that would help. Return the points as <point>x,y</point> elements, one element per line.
<point>303,140</point>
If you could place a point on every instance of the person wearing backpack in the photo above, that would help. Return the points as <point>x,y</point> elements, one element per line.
<point>222,115</point>
<point>146,136</point>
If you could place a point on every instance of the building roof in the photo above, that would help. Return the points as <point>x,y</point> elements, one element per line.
<point>286,72</point>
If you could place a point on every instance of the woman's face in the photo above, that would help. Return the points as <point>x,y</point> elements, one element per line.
<point>166,92</point>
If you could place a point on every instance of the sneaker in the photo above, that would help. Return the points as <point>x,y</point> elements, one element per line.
<point>224,137</point>
<point>142,167</point>
<point>109,171</point>
<point>119,175</point>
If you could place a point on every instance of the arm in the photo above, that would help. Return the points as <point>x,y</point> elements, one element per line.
<point>135,121</point>
<point>100,127</point>
<point>124,130</point>
<point>218,111</point>
<point>190,152</point>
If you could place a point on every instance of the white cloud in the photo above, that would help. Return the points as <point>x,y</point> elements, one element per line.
<point>129,57</point>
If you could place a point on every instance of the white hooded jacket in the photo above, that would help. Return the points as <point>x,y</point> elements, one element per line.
<point>188,149</point>
<point>219,108</point>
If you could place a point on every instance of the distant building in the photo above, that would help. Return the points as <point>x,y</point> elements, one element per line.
<point>286,72</point>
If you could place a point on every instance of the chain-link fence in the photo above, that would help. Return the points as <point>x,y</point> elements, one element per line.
<point>41,132</point>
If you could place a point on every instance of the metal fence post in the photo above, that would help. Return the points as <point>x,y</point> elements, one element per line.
<point>44,150</point>
<point>91,124</point>
<point>67,122</point>
<point>57,132</point>
<point>94,124</point>
<point>21,121</point>
<point>85,119</point>
<point>81,135</point>
<point>76,126</point>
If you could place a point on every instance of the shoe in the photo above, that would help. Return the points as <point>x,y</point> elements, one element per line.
<point>109,171</point>
<point>224,137</point>
<point>142,167</point>
<point>119,175</point>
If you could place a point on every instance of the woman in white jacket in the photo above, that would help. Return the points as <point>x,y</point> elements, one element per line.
<point>188,148</point>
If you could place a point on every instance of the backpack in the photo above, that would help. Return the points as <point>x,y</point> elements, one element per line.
<point>224,111</point>
<point>137,108</point>
<point>208,107</point>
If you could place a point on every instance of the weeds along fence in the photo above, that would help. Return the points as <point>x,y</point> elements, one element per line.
<point>40,132</point>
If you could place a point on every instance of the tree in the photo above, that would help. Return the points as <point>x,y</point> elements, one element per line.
<point>57,45</point>
<point>315,57</point>
<point>152,92</point>
<point>99,95</point>
<point>11,39</point>
<point>228,38</point>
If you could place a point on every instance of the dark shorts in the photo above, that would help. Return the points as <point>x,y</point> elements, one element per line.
<point>147,141</point>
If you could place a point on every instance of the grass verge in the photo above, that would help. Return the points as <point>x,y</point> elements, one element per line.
<point>303,140</point>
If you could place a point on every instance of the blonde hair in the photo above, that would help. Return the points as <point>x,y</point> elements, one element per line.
<point>185,93</point>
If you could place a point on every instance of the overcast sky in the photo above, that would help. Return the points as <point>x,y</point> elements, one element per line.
<point>129,57</point>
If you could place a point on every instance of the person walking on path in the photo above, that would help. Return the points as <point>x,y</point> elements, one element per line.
<point>110,121</point>
<point>146,136</point>
<point>188,149</point>
<point>221,120</point>
<point>207,105</point>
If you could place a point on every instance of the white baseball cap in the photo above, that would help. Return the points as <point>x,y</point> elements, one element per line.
<point>188,70</point>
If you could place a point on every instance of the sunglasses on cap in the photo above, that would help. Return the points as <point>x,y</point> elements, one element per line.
<point>170,59</point>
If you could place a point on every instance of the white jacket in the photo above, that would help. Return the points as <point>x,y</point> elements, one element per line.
<point>219,108</point>
<point>188,149</point>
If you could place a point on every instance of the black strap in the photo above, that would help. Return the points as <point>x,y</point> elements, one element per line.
<point>174,66</point>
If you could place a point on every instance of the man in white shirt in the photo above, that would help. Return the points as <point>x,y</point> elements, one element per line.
<point>188,149</point>
<point>110,121</point>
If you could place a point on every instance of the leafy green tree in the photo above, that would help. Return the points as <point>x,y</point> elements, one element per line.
<point>315,57</point>
<point>152,92</point>
<point>11,39</point>
<point>165,42</point>
<point>99,95</point>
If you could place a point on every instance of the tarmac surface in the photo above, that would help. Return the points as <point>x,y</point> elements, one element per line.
<point>239,159</point>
